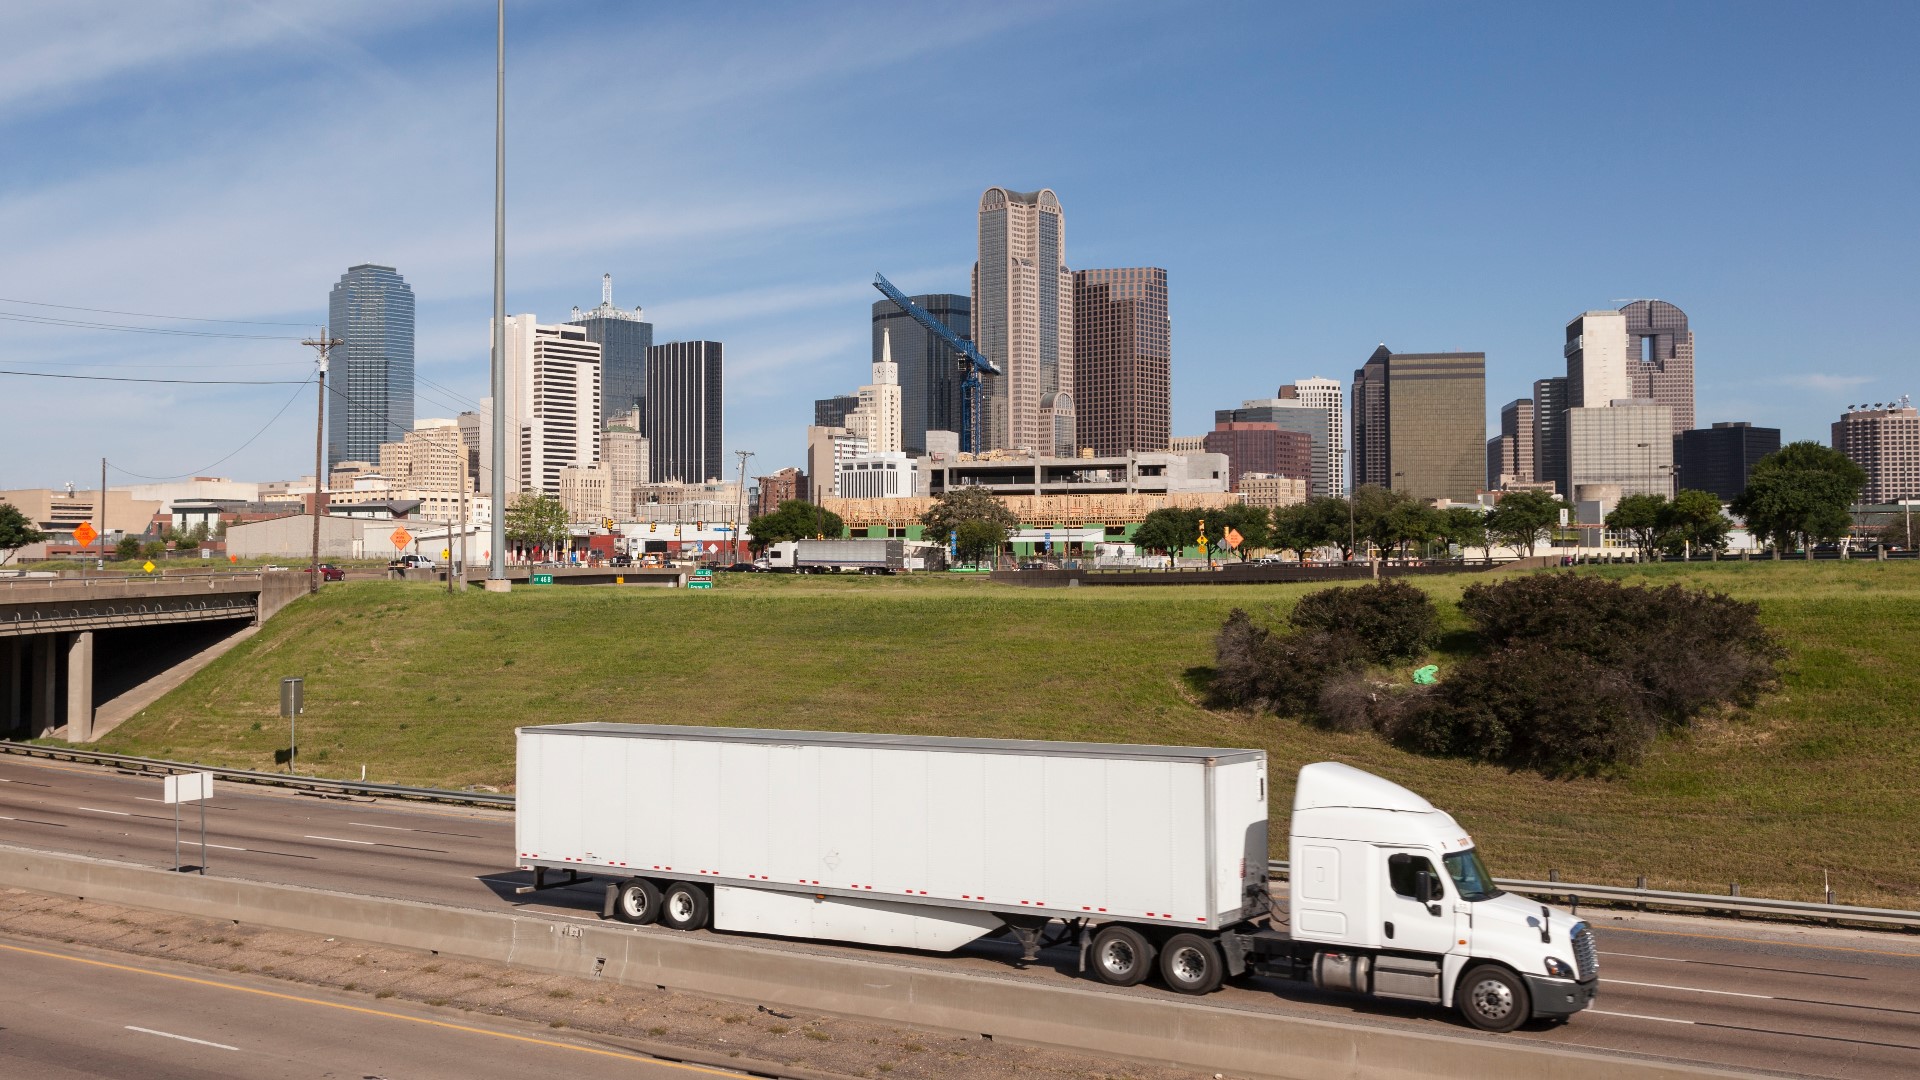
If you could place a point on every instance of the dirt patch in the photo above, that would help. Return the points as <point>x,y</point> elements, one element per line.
<point>665,1022</point>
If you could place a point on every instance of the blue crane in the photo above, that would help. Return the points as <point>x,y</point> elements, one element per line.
<point>976,364</point>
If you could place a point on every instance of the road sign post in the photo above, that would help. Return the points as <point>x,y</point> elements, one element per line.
<point>292,694</point>
<point>185,788</point>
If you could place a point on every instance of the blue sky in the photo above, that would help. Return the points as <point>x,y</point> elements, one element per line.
<point>1316,180</point>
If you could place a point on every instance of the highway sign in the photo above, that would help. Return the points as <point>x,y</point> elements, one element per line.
<point>188,787</point>
<point>400,537</point>
<point>543,579</point>
<point>84,534</point>
<point>1232,539</point>
<point>148,566</point>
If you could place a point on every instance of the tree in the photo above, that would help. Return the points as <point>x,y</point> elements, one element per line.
<point>970,505</point>
<point>16,531</point>
<point>978,541</point>
<point>1519,518</point>
<point>536,519</point>
<point>1801,491</point>
<point>1694,521</point>
<point>1410,522</point>
<point>1253,523</point>
<point>1643,517</point>
<point>128,549</point>
<point>1466,526</point>
<point>1378,516</point>
<point>1165,530</point>
<point>1897,533</point>
<point>794,519</point>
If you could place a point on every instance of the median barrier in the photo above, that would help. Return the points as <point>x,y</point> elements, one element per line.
<point>1180,1032</point>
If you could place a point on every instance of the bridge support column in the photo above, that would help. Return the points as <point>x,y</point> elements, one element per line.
<point>80,687</point>
<point>13,670</point>
<point>43,673</point>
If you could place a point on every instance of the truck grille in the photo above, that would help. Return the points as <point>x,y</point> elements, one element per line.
<point>1584,953</point>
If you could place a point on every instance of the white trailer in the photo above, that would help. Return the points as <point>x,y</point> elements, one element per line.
<point>1152,859</point>
<point>866,555</point>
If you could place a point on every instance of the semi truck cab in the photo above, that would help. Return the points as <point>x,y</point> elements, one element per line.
<point>1388,896</point>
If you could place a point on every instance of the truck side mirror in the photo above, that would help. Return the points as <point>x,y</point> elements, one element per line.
<point>1423,887</point>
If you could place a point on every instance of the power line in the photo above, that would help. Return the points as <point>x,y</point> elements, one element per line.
<point>146,315</point>
<point>129,378</point>
<point>242,446</point>
<point>82,324</point>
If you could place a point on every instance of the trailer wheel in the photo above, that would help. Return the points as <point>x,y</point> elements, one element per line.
<point>1493,998</point>
<point>685,906</point>
<point>1192,964</point>
<point>1122,956</point>
<point>637,902</point>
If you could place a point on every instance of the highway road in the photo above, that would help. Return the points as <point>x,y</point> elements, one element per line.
<point>68,1013</point>
<point>1793,1000</point>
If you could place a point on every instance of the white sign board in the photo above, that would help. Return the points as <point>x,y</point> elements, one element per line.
<point>189,787</point>
<point>1563,517</point>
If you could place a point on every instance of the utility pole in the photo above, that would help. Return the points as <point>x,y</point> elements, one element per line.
<point>739,522</point>
<point>497,561</point>
<point>103,514</point>
<point>323,345</point>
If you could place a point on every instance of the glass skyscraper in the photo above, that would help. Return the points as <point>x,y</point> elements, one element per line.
<point>370,379</point>
<point>624,338</point>
<point>684,411</point>
<point>930,371</point>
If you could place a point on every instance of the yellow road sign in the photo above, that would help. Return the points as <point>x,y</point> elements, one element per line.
<point>148,567</point>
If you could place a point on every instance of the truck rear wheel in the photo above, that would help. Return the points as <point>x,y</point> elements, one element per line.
<point>1192,964</point>
<point>1122,956</point>
<point>1493,998</point>
<point>685,906</point>
<point>637,902</point>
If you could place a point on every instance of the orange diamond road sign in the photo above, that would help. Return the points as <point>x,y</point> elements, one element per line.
<point>1232,540</point>
<point>84,534</point>
<point>400,537</point>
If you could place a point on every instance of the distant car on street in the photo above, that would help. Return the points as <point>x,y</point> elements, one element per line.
<point>328,572</point>
<point>272,568</point>
<point>411,562</point>
<point>742,568</point>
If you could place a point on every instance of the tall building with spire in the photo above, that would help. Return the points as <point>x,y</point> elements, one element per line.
<point>877,418</point>
<point>1023,321</point>
<point>930,371</point>
<point>624,338</point>
<point>371,382</point>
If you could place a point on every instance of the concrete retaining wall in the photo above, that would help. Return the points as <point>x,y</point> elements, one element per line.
<point>1170,1029</point>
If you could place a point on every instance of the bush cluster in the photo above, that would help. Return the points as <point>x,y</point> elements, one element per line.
<point>1577,674</point>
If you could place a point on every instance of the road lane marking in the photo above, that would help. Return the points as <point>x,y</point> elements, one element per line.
<point>182,1038</point>
<point>1640,1016</point>
<point>663,1063</point>
<point>1766,997</point>
<point>376,843</point>
<point>338,840</point>
<point>223,847</point>
<point>97,810</point>
<point>428,832</point>
<point>1759,941</point>
<point>1742,967</point>
<point>1755,1030</point>
<point>31,821</point>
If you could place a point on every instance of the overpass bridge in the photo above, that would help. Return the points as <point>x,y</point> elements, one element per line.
<point>78,655</point>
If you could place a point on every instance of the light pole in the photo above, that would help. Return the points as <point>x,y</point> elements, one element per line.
<point>497,561</point>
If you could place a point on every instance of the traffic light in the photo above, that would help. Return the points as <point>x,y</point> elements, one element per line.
<point>699,526</point>
<point>653,526</point>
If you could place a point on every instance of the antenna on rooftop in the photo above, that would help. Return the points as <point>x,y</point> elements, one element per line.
<point>606,290</point>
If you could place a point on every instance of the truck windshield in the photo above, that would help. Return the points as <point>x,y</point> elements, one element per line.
<point>1470,875</point>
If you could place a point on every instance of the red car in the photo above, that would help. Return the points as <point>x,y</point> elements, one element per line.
<point>328,572</point>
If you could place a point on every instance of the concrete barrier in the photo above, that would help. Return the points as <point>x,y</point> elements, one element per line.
<point>1170,1030</point>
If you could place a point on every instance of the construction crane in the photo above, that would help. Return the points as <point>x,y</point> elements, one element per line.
<point>976,365</point>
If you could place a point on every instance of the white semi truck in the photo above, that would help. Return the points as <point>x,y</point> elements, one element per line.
<point>1151,860</point>
<point>877,555</point>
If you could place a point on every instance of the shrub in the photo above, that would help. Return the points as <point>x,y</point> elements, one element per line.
<point>1536,707</point>
<point>1280,672</point>
<point>1390,620</point>
<point>1351,701</point>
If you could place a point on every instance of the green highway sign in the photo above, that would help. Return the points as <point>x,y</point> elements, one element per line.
<point>543,579</point>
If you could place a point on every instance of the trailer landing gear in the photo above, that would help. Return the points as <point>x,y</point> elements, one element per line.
<point>540,883</point>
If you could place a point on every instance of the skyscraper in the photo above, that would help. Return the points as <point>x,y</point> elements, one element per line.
<point>1289,414</point>
<point>1261,448</point>
<point>1023,321</point>
<point>553,403</point>
<point>1327,394</point>
<point>877,416</point>
<point>1884,439</point>
<point>370,383</point>
<point>624,338</point>
<point>1660,357</point>
<point>1720,458</point>
<point>930,372</point>
<point>1122,359</point>
<point>1550,433</point>
<point>833,411</point>
<point>1510,454</point>
<point>684,411</point>
<point>1420,423</point>
<point>1596,352</point>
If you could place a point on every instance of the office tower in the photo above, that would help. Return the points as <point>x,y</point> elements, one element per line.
<point>1550,433</point>
<point>1720,458</point>
<point>1884,439</point>
<point>1369,421</point>
<point>784,486</point>
<point>1122,359</point>
<point>930,371</point>
<point>827,449</point>
<point>833,411</point>
<point>624,338</point>
<point>1596,353</point>
<point>1263,448</point>
<point>432,457</point>
<point>370,379</point>
<point>878,476</point>
<point>626,454</point>
<point>877,416</point>
<point>1327,394</point>
<point>470,440</point>
<point>553,402</point>
<point>1023,322</point>
<point>1623,449</point>
<point>1660,357</point>
<point>1290,414</point>
<point>683,417</point>
<point>1510,454</point>
<point>1419,423</point>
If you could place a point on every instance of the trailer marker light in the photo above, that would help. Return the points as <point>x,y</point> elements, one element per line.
<point>1102,909</point>
<point>1202,918</point>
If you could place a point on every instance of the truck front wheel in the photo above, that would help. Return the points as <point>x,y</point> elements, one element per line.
<point>1494,999</point>
<point>685,906</point>
<point>1192,964</point>
<point>1122,956</point>
<point>637,902</point>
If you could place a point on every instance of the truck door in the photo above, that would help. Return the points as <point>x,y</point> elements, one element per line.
<point>1407,925</point>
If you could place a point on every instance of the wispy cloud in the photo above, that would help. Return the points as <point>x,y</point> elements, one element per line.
<point>1816,380</point>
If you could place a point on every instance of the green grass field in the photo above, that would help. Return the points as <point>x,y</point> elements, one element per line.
<point>426,688</point>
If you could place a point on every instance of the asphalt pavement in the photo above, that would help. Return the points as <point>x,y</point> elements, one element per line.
<point>1797,1000</point>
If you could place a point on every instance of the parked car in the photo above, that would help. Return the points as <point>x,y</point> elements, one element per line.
<point>621,559</point>
<point>411,562</point>
<point>742,568</point>
<point>328,572</point>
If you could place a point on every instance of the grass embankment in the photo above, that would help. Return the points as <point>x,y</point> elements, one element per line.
<point>426,688</point>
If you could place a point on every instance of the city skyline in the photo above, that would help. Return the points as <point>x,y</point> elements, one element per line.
<point>200,206</point>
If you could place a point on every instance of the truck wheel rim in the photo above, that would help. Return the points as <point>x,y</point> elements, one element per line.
<point>1117,957</point>
<point>635,903</point>
<point>682,906</point>
<point>1189,965</point>
<point>1492,999</point>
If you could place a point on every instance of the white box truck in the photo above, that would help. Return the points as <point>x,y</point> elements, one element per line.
<point>1150,859</point>
<point>874,555</point>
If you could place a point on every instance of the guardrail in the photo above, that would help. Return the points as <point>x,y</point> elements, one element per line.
<point>248,776</point>
<point>1573,892</point>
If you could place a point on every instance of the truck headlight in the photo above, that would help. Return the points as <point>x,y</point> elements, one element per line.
<point>1558,968</point>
